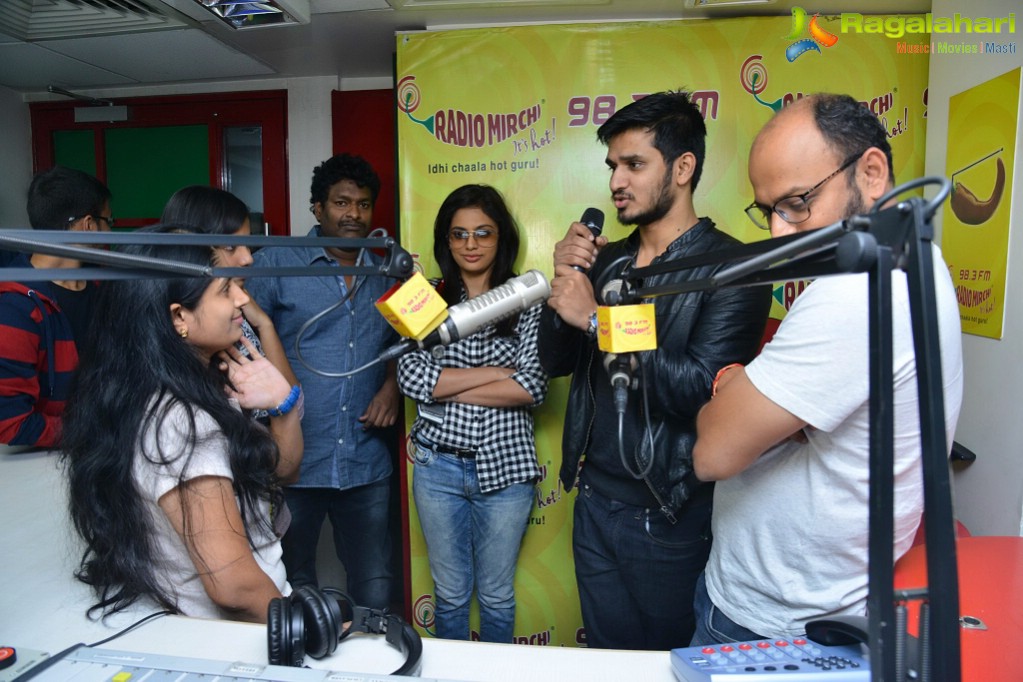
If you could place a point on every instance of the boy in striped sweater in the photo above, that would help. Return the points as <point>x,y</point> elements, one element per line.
<point>40,320</point>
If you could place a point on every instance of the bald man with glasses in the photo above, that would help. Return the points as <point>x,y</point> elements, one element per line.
<point>787,437</point>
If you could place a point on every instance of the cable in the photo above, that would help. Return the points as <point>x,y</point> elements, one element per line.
<point>376,233</point>
<point>356,284</point>
<point>608,273</point>
<point>136,624</point>
<point>931,206</point>
<point>647,433</point>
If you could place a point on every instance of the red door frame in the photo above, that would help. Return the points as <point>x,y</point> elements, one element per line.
<point>265,108</point>
<point>364,123</point>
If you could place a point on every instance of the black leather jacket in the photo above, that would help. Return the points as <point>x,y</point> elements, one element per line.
<point>697,334</point>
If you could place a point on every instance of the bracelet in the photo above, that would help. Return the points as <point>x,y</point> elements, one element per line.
<point>721,373</point>
<point>288,404</point>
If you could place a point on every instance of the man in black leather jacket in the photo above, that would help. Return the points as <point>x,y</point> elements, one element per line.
<point>642,520</point>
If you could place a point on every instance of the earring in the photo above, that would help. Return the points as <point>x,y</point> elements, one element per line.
<point>183,332</point>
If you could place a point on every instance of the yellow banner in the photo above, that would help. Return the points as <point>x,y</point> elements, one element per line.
<point>975,224</point>
<point>518,108</point>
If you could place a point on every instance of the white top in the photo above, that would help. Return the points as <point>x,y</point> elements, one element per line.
<point>791,531</point>
<point>174,567</point>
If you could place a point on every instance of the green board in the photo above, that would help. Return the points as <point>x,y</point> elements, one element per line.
<point>145,166</point>
<point>75,149</point>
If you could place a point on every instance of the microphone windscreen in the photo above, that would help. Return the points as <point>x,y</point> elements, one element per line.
<point>593,218</point>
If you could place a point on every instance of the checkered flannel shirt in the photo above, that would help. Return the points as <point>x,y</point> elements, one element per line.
<point>502,437</point>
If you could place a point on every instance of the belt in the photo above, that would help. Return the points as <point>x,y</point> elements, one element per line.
<point>442,449</point>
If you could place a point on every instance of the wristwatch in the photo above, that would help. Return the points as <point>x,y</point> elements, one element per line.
<point>591,328</point>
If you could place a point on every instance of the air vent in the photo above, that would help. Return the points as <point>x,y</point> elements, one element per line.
<point>33,20</point>
<point>241,14</point>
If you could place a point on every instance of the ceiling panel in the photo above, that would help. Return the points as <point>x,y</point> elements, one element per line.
<point>30,66</point>
<point>164,56</point>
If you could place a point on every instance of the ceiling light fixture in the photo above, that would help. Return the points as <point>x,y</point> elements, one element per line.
<point>242,14</point>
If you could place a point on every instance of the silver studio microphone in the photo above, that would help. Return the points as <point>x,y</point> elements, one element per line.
<point>467,318</point>
<point>512,297</point>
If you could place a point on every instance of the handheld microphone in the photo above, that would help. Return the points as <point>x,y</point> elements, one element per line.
<point>593,219</point>
<point>467,318</point>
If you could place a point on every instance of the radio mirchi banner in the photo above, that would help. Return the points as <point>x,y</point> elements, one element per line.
<point>518,108</point>
<point>975,223</point>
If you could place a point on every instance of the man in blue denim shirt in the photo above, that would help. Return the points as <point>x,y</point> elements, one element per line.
<point>347,462</point>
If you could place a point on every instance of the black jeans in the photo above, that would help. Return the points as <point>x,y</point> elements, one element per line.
<point>359,517</point>
<point>637,571</point>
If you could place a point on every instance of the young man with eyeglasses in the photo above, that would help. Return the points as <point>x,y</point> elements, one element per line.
<point>40,322</point>
<point>641,530</point>
<point>787,437</point>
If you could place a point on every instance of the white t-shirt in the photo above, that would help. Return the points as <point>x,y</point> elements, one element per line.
<point>175,569</point>
<point>791,531</point>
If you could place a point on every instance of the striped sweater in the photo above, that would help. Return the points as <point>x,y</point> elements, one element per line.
<point>37,359</point>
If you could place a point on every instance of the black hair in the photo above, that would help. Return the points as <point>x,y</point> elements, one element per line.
<point>134,368</point>
<point>208,209</point>
<point>59,196</point>
<point>490,201</point>
<point>676,123</point>
<point>343,167</point>
<point>849,127</point>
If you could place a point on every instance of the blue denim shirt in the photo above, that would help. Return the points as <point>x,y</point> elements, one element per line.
<point>338,454</point>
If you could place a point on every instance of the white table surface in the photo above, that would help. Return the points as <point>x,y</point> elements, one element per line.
<point>43,607</point>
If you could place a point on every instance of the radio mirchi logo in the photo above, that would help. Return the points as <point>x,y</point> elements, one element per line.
<point>474,129</point>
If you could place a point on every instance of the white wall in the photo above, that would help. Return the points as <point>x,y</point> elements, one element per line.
<point>309,131</point>
<point>15,160</point>
<point>989,492</point>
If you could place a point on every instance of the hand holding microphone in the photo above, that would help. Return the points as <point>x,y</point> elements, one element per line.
<point>579,247</point>
<point>571,295</point>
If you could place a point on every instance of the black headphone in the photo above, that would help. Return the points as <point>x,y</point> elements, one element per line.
<point>311,621</point>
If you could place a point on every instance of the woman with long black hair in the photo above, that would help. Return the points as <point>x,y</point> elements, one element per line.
<point>173,489</point>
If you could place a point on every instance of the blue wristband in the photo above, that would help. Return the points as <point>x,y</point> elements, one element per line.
<point>288,404</point>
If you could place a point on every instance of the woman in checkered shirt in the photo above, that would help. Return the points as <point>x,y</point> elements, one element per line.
<point>475,456</point>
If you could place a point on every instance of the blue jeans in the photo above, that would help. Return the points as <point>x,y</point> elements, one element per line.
<point>359,517</point>
<point>636,571</point>
<point>712,626</point>
<point>471,537</point>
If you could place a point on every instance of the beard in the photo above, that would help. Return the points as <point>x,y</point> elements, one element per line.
<point>854,205</point>
<point>661,206</point>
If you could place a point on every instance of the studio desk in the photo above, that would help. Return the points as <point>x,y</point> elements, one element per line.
<point>42,608</point>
